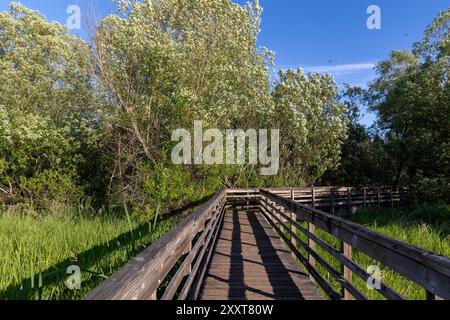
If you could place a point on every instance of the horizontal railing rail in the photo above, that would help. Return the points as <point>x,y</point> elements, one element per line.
<point>174,266</point>
<point>426,269</point>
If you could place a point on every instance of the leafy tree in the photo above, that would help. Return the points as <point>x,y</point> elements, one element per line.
<point>43,69</point>
<point>436,41</point>
<point>37,160</point>
<point>410,142</point>
<point>365,160</point>
<point>411,98</point>
<point>313,125</point>
<point>48,103</point>
<point>168,63</point>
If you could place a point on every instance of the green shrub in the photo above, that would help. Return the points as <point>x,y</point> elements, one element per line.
<point>167,187</point>
<point>431,189</point>
<point>37,162</point>
<point>164,188</point>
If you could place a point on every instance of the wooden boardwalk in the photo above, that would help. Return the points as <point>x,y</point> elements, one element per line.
<point>250,262</point>
<point>225,252</point>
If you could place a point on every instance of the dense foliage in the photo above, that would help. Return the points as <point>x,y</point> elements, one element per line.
<point>313,125</point>
<point>96,124</point>
<point>165,64</point>
<point>92,124</point>
<point>47,105</point>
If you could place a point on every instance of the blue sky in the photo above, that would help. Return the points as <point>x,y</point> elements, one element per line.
<point>317,35</point>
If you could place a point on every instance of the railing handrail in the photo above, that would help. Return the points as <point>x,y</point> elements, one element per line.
<point>405,188</point>
<point>345,197</point>
<point>142,276</point>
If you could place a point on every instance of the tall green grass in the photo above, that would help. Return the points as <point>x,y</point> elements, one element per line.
<point>36,252</point>
<point>426,227</point>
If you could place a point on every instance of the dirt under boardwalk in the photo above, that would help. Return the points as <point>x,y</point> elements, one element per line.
<point>249,262</point>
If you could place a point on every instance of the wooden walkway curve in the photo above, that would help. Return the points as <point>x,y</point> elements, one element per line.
<point>250,261</point>
<point>249,244</point>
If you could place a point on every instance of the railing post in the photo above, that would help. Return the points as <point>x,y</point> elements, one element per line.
<point>379,197</point>
<point>281,217</point>
<point>431,296</point>
<point>293,227</point>
<point>311,245</point>
<point>271,210</point>
<point>392,197</point>
<point>276,206</point>
<point>332,200</point>
<point>347,273</point>
<point>313,197</point>
<point>275,213</point>
<point>365,198</point>
<point>349,191</point>
<point>247,194</point>
<point>190,266</point>
<point>402,203</point>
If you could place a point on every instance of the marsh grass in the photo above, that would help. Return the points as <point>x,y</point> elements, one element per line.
<point>36,252</point>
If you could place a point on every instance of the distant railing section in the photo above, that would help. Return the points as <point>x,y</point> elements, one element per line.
<point>344,199</point>
<point>247,198</point>
<point>428,270</point>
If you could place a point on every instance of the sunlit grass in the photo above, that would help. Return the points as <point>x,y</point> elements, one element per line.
<point>39,250</point>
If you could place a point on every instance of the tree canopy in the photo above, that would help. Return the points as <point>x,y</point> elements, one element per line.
<point>93,123</point>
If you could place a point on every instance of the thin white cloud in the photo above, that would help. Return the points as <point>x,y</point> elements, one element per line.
<point>341,68</point>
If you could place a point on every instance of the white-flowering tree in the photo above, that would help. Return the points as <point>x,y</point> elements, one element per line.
<point>313,125</point>
<point>167,63</point>
<point>43,69</point>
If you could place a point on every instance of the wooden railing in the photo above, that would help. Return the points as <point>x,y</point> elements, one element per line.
<point>174,266</point>
<point>429,271</point>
